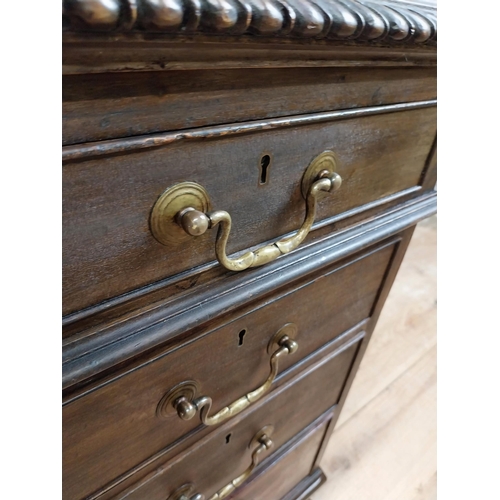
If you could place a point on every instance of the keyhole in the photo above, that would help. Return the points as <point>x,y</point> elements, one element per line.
<point>241,335</point>
<point>228,438</point>
<point>264,168</point>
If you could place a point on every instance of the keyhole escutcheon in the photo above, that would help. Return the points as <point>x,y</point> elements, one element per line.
<point>265,163</point>
<point>241,335</point>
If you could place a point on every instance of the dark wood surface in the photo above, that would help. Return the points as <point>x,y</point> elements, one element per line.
<point>94,422</point>
<point>104,106</point>
<point>92,150</point>
<point>150,98</point>
<point>91,411</point>
<point>307,486</point>
<point>393,393</point>
<point>107,245</point>
<point>295,294</point>
<point>382,297</point>
<point>121,53</point>
<point>96,353</point>
<point>290,475</point>
<point>195,466</point>
<point>98,412</point>
<point>132,477</point>
<point>392,21</point>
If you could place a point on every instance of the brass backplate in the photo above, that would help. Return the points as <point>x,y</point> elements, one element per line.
<point>324,161</point>
<point>266,430</point>
<point>188,389</point>
<point>290,329</point>
<point>185,491</point>
<point>175,199</point>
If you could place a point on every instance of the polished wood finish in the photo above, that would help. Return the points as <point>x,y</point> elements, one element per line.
<point>242,347</point>
<point>81,434</point>
<point>97,53</point>
<point>108,248</point>
<point>81,152</point>
<point>102,106</point>
<point>291,471</point>
<point>393,394</point>
<point>162,318</point>
<point>196,464</point>
<point>393,21</point>
<point>152,98</point>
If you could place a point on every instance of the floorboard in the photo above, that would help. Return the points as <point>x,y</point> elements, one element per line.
<point>384,446</point>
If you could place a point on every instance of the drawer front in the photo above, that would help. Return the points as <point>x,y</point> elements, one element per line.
<point>108,247</point>
<point>293,465</point>
<point>115,427</point>
<point>226,453</point>
<point>104,106</point>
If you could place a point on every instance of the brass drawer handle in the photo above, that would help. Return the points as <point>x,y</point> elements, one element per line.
<point>186,492</point>
<point>183,210</point>
<point>182,398</point>
<point>263,442</point>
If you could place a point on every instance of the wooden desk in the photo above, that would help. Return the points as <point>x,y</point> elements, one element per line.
<point>241,181</point>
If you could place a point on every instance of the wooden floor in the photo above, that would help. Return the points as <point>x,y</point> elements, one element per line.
<point>384,445</point>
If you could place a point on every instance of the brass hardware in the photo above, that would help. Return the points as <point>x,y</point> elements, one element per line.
<point>267,431</point>
<point>181,210</point>
<point>185,391</point>
<point>170,209</point>
<point>186,492</point>
<point>323,166</point>
<point>194,222</point>
<point>264,443</point>
<point>182,398</point>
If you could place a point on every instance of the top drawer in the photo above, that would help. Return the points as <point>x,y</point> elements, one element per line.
<point>108,247</point>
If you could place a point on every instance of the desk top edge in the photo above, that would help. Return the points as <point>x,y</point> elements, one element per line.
<point>393,22</point>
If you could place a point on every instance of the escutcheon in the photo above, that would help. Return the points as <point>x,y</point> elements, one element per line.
<point>324,165</point>
<point>164,220</point>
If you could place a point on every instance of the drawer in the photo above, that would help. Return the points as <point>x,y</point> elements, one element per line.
<point>108,246</point>
<point>227,452</point>
<point>116,426</point>
<point>284,470</point>
<point>104,106</point>
<point>291,470</point>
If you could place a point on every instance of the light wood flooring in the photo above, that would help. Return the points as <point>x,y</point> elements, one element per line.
<point>384,444</point>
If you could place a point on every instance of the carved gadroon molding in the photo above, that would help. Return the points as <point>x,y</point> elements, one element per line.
<point>388,21</point>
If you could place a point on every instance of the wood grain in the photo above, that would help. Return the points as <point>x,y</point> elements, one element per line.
<point>108,248</point>
<point>135,52</point>
<point>406,329</point>
<point>92,150</point>
<point>124,338</point>
<point>384,451</point>
<point>106,106</point>
<point>386,431</point>
<point>281,477</point>
<point>193,465</point>
<point>160,91</point>
<point>94,423</point>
